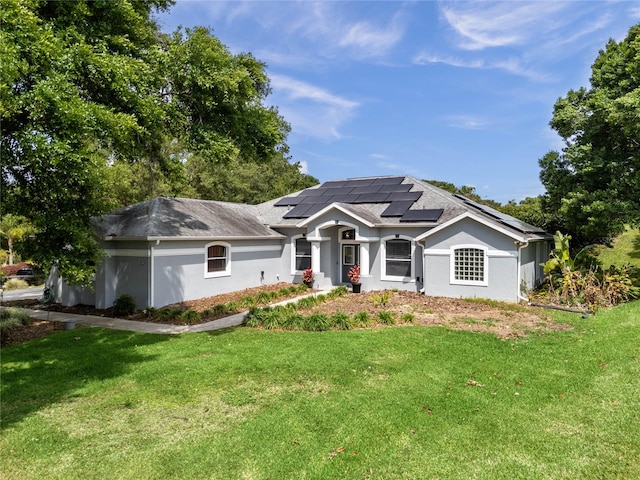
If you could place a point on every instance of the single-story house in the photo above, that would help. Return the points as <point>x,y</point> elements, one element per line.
<point>403,233</point>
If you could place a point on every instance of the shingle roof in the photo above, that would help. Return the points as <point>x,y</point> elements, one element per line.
<point>180,217</point>
<point>408,202</point>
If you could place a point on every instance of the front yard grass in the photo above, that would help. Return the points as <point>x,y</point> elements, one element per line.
<point>385,403</point>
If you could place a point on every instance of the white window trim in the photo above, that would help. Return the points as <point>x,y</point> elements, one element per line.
<point>222,273</point>
<point>383,250</point>
<point>452,266</point>
<point>293,253</point>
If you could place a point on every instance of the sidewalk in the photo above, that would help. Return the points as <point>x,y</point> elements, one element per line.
<point>146,327</point>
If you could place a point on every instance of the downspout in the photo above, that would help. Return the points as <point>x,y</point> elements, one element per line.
<point>151,274</point>
<point>521,245</point>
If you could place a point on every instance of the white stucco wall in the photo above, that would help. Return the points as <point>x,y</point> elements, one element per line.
<point>502,282</point>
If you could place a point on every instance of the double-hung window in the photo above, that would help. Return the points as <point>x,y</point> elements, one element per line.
<point>302,254</point>
<point>217,260</point>
<point>397,259</point>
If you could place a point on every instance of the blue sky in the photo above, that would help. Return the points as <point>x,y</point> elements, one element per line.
<point>456,91</point>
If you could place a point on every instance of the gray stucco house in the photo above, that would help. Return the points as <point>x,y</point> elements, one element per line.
<point>404,233</point>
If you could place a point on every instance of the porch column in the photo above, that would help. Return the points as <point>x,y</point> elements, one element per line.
<point>364,259</point>
<point>315,256</point>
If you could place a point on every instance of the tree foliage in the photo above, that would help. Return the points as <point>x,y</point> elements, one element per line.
<point>100,109</point>
<point>594,182</point>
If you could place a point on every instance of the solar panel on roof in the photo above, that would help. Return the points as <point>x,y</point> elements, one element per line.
<point>313,199</point>
<point>334,184</point>
<point>298,211</point>
<point>316,192</point>
<point>403,196</point>
<point>503,218</point>
<point>287,201</point>
<point>341,198</point>
<point>371,198</point>
<point>388,181</point>
<point>402,187</point>
<point>423,215</point>
<point>360,182</point>
<point>314,209</point>
<point>367,189</point>
<point>397,209</point>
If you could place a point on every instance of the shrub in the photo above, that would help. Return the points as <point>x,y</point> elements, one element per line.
<point>408,317</point>
<point>292,289</point>
<point>386,318</point>
<point>271,319</point>
<point>301,288</point>
<point>189,316</point>
<point>169,313</point>
<point>232,307</point>
<point>283,292</point>
<point>263,298</point>
<point>380,299</point>
<point>124,306</point>
<point>13,317</point>
<point>362,319</point>
<point>306,303</point>
<point>15,284</point>
<point>150,312</point>
<point>219,310</point>
<point>248,301</point>
<point>342,321</point>
<point>318,322</point>
<point>294,321</point>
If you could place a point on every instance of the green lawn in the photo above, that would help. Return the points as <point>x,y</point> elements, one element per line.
<point>625,250</point>
<point>390,403</point>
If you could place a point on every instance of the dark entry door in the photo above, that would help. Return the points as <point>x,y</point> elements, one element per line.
<point>350,257</point>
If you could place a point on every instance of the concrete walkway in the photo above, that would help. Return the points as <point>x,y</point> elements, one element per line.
<point>71,319</point>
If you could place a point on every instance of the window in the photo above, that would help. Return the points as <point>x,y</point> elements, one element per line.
<point>217,260</point>
<point>398,258</point>
<point>303,254</point>
<point>469,265</point>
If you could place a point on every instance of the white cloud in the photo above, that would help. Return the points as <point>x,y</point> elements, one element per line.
<point>466,122</point>
<point>311,110</point>
<point>368,40</point>
<point>482,25</point>
<point>511,65</point>
<point>378,156</point>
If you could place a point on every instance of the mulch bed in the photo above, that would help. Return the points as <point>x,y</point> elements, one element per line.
<point>502,320</point>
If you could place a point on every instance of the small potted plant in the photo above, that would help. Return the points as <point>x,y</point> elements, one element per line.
<point>308,277</point>
<point>354,277</point>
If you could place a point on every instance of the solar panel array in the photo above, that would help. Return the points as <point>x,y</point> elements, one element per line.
<point>389,190</point>
<point>503,218</point>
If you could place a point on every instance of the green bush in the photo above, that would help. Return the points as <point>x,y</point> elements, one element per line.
<point>13,317</point>
<point>189,316</point>
<point>124,306</point>
<point>232,307</point>
<point>318,322</point>
<point>169,313</point>
<point>248,301</point>
<point>342,321</point>
<point>301,288</point>
<point>263,298</point>
<point>294,321</point>
<point>408,317</point>
<point>386,318</point>
<point>283,292</point>
<point>15,284</point>
<point>362,319</point>
<point>307,302</point>
<point>380,299</point>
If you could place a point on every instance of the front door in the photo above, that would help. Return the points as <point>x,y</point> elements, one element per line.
<point>350,257</point>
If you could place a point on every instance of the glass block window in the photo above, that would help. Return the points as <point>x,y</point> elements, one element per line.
<point>469,265</point>
<point>303,254</point>
<point>398,258</point>
<point>216,258</point>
